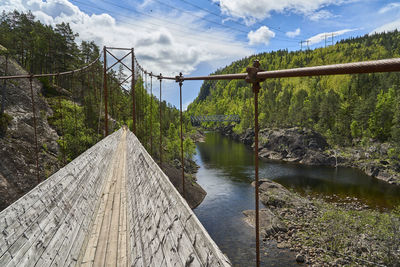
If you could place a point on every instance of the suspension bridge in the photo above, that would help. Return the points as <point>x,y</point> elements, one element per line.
<point>196,120</point>
<point>113,205</point>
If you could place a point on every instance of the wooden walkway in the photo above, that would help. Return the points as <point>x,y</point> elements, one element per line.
<point>112,206</point>
<point>108,240</point>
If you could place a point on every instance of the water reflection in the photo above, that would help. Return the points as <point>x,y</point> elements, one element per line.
<point>226,171</point>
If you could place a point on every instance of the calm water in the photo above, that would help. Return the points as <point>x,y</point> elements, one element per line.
<point>226,171</point>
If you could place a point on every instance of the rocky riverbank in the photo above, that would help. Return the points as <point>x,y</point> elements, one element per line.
<point>198,136</point>
<point>194,193</point>
<point>327,234</point>
<point>306,146</point>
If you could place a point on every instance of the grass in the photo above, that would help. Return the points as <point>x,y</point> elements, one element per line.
<point>362,236</point>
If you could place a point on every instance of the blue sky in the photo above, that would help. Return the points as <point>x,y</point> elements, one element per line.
<point>197,37</point>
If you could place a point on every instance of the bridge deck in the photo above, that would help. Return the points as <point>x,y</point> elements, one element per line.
<point>108,239</point>
<point>112,206</point>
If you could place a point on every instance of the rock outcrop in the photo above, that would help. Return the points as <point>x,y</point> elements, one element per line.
<point>275,195</point>
<point>308,147</point>
<point>295,145</point>
<point>194,193</point>
<point>17,146</point>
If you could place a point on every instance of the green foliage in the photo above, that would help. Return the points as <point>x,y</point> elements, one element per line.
<point>5,120</point>
<point>355,129</point>
<point>341,107</point>
<point>381,120</point>
<point>47,87</point>
<point>37,47</point>
<point>79,116</point>
<point>69,120</point>
<point>394,153</point>
<point>189,148</point>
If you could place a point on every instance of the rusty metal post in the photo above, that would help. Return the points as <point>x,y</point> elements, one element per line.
<point>75,119</point>
<point>142,107</point>
<point>160,78</point>
<point>105,93</point>
<point>145,104</point>
<point>35,131</point>
<point>151,113</point>
<point>252,78</point>
<point>179,79</point>
<point>62,119</point>
<point>3,89</point>
<point>256,90</point>
<point>133,92</point>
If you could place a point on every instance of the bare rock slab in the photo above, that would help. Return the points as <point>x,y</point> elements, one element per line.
<point>270,224</point>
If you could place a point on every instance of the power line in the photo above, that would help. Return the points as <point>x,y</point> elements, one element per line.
<point>238,23</point>
<point>177,32</point>
<point>155,17</point>
<point>258,23</point>
<point>220,24</point>
<point>210,21</point>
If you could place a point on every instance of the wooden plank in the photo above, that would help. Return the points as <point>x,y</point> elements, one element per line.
<point>112,241</point>
<point>64,238</point>
<point>74,246</point>
<point>129,215</point>
<point>47,221</point>
<point>205,246</point>
<point>122,232</point>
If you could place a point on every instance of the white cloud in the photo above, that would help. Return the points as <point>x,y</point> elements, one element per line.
<point>389,7</point>
<point>293,33</point>
<point>160,46</point>
<point>261,36</point>
<point>318,15</point>
<point>388,27</point>
<point>328,35</point>
<point>250,10</point>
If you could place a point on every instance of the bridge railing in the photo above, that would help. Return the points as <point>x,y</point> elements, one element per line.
<point>254,75</point>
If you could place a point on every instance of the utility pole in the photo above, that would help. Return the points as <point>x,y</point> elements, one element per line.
<point>301,44</point>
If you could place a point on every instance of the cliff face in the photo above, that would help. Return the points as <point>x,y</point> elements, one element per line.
<point>17,145</point>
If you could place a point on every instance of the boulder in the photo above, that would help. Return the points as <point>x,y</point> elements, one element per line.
<point>248,137</point>
<point>270,224</point>
<point>300,258</point>
<point>292,145</point>
<point>275,195</point>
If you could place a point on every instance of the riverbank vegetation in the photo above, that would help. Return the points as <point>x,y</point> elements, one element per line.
<point>342,234</point>
<point>346,109</point>
<point>321,232</point>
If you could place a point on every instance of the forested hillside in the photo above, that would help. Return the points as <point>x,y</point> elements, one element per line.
<point>69,109</point>
<point>344,108</point>
<point>77,100</point>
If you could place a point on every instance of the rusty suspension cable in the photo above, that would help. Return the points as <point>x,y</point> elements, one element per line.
<point>182,158</point>
<point>160,124</point>
<point>151,114</point>
<point>35,131</point>
<point>29,76</point>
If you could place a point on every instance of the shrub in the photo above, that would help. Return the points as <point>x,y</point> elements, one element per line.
<point>5,120</point>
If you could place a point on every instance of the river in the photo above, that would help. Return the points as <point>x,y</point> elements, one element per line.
<point>226,172</point>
